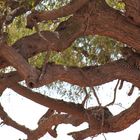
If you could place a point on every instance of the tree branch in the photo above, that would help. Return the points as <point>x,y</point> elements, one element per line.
<point>8,78</point>
<point>59,105</point>
<point>96,75</point>
<point>125,118</point>
<point>52,121</point>
<point>67,10</point>
<point>133,10</point>
<point>77,25</point>
<point>8,121</point>
<point>26,71</point>
<point>18,8</point>
<point>111,124</point>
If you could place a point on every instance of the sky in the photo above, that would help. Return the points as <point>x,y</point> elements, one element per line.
<point>27,112</point>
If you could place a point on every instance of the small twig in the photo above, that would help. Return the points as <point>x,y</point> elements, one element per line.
<point>2,123</point>
<point>48,52</point>
<point>104,136</point>
<point>121,84</point>
<point>95,94</point>
<point>103,119</point>
<point>115,91</point>
<point>120,105</point>
<point>39,32</point>
<point>37,28</point>
<point>86,97</point>
<point>43,71</point>
<point>131,90</point>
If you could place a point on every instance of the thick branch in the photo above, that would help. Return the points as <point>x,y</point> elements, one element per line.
<point>114,124</point>
<point>58,105</point>
<point>133,10</point>
<point>120,29</point>
<point>7,79</point>
<point>87,76</point>
<point>18,8</point>
<point>125,118</point>
<point>30,45</point>
<point>52,121</point>
<point>26,71</point>
<point>67,10</point>
<point>92,75</point>
<point>83,22</point>
<point>103,20</point>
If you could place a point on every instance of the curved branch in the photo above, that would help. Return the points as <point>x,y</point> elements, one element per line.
<point>29,73</point>
<point>31,45</point>
<point>92,75</point>
<point>52,121</point>
<point>111,124</point>
<point>18,8</point>
<point>82,23</point>
<point>125,118</point>
<point>60,106</point>
<point>114,124</point>
<point>133,10</point>
<point>89,76</point>
<point>86,76</point>
<point>103,20</point>
<point>7,79</point>
<point>67,10</point>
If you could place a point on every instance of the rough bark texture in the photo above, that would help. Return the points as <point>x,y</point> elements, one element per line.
<point>88,17</point>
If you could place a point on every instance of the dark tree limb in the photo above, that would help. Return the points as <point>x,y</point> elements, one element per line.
<point>77,26</point>
<point>114,124</point>
<point>59,105</point>
<point>124,119</point>
<point>111,124</point>
<point>26,71</point>
<point>7,79</point>
<point>89,18</point>
<point>18,8</point>
<point>129,113</point>
<point>121,84</point>
<point>131,90</point>
<point>119,69</point>
<point>133,11</point>
<point>52,121</point>
<point>96,75</point>
<point>67,10</point>
<point>31,45</point>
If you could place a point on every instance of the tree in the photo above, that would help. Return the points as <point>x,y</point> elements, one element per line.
<point>41,56</point>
